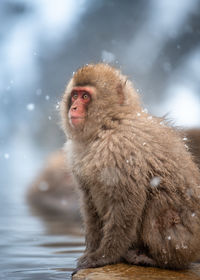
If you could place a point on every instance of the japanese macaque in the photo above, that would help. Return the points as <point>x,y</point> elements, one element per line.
<point>52,196</point>
<point>140,188</point>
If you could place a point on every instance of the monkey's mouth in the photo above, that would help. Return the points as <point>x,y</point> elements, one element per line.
<point>76,121</point>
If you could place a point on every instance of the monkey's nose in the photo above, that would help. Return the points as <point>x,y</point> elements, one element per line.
<point>74,108</point>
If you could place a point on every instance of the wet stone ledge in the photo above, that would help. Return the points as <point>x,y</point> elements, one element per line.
<point>127,272</point>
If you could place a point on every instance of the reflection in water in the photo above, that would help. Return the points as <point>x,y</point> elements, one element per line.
<point>28,252</point>
<point>46,246</point>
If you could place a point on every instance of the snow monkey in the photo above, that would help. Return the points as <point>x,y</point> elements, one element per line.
<point>139,186</point>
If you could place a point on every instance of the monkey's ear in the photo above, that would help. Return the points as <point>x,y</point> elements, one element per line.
<point>120,94</point>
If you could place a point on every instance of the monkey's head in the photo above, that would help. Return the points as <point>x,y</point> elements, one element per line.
<point>95,97</point>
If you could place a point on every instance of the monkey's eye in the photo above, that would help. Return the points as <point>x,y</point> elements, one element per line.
<point>85,96</point>
<point>74,95</point>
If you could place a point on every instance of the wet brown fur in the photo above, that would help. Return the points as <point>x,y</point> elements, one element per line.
<point>114,157</point>
<point>193,142</point>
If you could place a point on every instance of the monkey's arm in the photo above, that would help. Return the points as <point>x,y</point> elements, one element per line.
<point>120,228</point>
<point>92,222</point>
<point>93,227</point>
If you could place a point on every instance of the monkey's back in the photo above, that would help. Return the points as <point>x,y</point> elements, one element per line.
<point>143,146</point>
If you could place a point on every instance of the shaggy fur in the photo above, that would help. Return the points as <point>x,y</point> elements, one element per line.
<point>140,188</point>
<point>193,142</point>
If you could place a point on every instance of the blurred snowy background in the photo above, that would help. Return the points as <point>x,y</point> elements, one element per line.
<point>42,42</point>
<point>156,43</point>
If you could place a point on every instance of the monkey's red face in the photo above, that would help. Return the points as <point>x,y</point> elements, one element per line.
<point>80,99</point>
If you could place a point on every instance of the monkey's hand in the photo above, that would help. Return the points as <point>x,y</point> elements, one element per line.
<point>95,259</point>
<point>82,260</point>
<point>81,263</point>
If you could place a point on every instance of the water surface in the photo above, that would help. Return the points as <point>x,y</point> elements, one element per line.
<point>32,249</point>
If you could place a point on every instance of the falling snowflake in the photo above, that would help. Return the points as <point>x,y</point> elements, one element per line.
<point>30,107</point>
<point>186,146</point>
<point>6,156</point>
<point>57,105</point>
<point>107,56</point>
<point>145,111</point>
<point>155,181</point>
